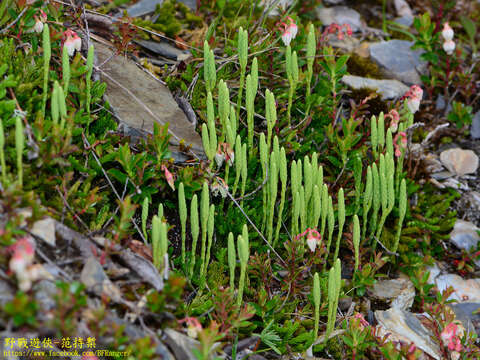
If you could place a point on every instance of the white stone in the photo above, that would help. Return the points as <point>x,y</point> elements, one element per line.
<point>405,326</point>
<point>464,290</point>
<point>45,230</point>
<point>464,235</point>
<point>401,292</point>
<point>388,89</point>
<point>340,15</point>
<point>459,161</point>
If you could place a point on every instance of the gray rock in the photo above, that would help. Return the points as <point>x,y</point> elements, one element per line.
<point>434,272</point>
<point>347,44</point>
<point>404,21</point>
<point>144,7</point>
<point>442,175</point>
<point>440,104</point>
<point>180,344</point>
<point>7,293</point>
<point>95,279</point>
<point>45,230</point>
<point>398,61</point>
<point>133,333</point>
<point>432,163</point>
<point>455,184</point>
<point>333,2</point>
<point>405,326</point>
<point>45,291</point>
<point>467,314</point>
<point>403,9</point>
<point>475,127</point>
<point>340,15</point>
<point>401,292</point>
<point>464,235</point>
<point>463,290</point>
<point>473,199</point>
<point>459,161</point>
<point>165,49</point>
<point>244,344</point>
<point>138,101</point>
<point>344,303</point>
<point>388,89</point>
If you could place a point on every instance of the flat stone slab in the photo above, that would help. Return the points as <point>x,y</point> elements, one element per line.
<point>464,290</point>
<point>405,326</point>
<point>459,162</point>
<point>164,49</point>
<point>464,235</point>
<point>139,100</point>
<point>475,127</point>
<point>398,60</point>
<point>467,313</point>
<point>340,15</point>
<point>401,292</point>
<point>143,7</point>
<point>388,89</point>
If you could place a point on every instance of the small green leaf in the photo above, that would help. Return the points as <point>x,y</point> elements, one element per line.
<point>469,27</point>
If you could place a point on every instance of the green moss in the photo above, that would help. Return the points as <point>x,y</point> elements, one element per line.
<point>361,66</point>
<point>172,18</point>
<point>430,221</point>
<point>216,275</point>
<point>332,349</point>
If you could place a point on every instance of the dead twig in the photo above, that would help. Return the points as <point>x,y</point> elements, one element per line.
<point>384,247</point>
<point>4,30</point>
<point>433,133</point>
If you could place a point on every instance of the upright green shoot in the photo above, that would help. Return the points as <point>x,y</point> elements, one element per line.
<point>311,51</point>
<point>182,207</point>
<point>316,302</point>
<point>232,260</point>
<point>242,46</point>
<point>145,217</point>
<point>47,53</point>
<point>19,145</point>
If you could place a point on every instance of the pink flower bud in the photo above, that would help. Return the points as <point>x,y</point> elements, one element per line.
<point>449,46</point>
<point>193,326</point>
<point>393,114</point>
<point>362,321</point>
<point>413,105</point>
<point>293,28</point>
<point>349,29</point>
<point>43,15</point>
<point>450,338</point>
<point>287,37</point>
<point>414,97</point>
<point>313,238</point>
<point>219,187</point>
<point>38,27</point>
<point>168,177</point>
<point>23,253</point>
<point>312,241</point>
<point>447,32</point>
<point>416,91</point>
<point>72,42</point>
<point>403,143</point>
<point>229,154</point>
<point>219,157</point>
